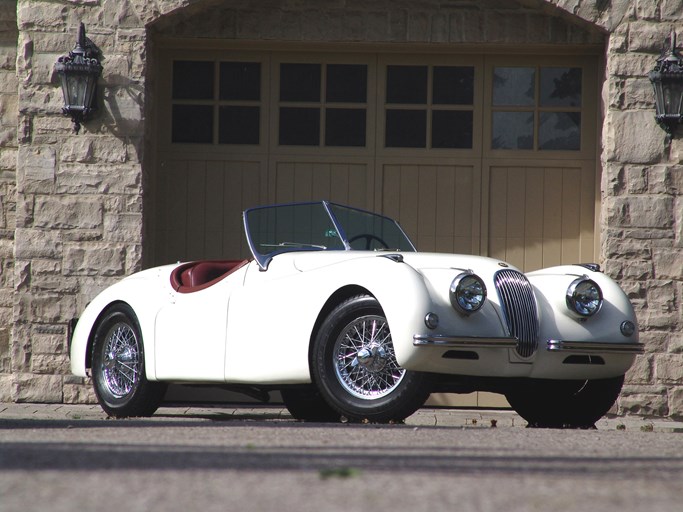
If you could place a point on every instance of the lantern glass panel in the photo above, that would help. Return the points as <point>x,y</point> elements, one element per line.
<point>672,95</point>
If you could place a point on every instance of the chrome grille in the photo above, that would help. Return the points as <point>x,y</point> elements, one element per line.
<point>519,307</point>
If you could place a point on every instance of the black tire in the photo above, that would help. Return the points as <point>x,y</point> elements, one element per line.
<point>118,367</point>
<point>564,404</point>
<point>356,371</point>
<point>306,404</point>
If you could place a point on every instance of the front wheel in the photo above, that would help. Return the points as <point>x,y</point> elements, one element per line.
<point>118,367</point>
<point>355,369</point>
<point>564,404</point>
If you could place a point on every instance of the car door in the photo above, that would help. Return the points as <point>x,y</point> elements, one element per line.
<point>191,331</point>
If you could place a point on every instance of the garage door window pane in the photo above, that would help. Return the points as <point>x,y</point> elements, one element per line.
<point>514,86</point>
<point>453,85</point>
<point>560,131</point>
<point>407,84</point>
<point>513,130</point>
<point>300,82</point>
<point>560,87</point>
<point>238,125</point>
<point>299,126</point>
<point>192,124</point>
<point>406,128</point>
<point>347,83</point>
<point>192,80</point>
<point>240,81</point>
<point>452,129</point>
<point>345,127</point>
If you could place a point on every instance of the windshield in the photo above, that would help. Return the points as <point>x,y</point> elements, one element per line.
<point>321,226</point>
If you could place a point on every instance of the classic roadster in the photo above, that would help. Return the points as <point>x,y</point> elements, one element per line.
<point>338,312</point>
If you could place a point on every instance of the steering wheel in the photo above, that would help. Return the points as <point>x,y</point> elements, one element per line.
<point>369,237</point>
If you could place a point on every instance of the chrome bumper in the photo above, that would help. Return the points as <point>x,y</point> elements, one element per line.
<point>429,340</point>
<point>594,347</point>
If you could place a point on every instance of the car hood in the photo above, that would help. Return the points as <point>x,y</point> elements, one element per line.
<point>420,261</point>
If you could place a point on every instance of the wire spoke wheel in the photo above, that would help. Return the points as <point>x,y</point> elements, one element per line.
<point>121,361</point>
<point>118,366</point>
<point>365,361</point>
<point>355,369</point>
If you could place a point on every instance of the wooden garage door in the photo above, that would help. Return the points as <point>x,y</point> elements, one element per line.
<point>471,153</point>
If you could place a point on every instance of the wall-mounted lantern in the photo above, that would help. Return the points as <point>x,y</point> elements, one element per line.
<point>78,73</point>
<point>667,81</point>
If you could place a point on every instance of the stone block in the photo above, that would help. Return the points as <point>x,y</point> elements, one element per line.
<point>50,364</point>
<point>39,14</point>
<point>676,343</point>
<point>644,400</point>
<point>419,27</point>
<point>124,227</point>
<point>8,159</point>
<point>48,308</point>
<point>647,10</point>
<point>79,394</point>
<point>669,368</point>
<point>76,149</point>
<point>110,150</point>
<point>37,243</point>
<point>37,163</point>
<point>123,110</point>
<point>676,402</point>
<point>646,37</point>
<point>632,137</point>
<point>28,387</point>
<point>94,259</point>
<point>48,344</point>
<point>651,211</point>
<point>668,263</point>
<point>642,370</point>
<point>6,382</point>
<point>629,64</point>
<point>638,94</point>
<point>94,179</point>
<point>671,10</point>
<point>67,212</point>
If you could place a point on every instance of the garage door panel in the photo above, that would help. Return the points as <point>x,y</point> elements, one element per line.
<point>201,208</point>
<point>541,216</point>
<point>348,183</point>
<point>435,204</point>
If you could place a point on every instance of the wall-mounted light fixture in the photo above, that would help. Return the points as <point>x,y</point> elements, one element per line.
<point>667,81</point>
<point>78,73</point>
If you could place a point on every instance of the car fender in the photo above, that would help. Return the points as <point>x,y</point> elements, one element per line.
<point>145,293</point>
<point>558,322</point>
<point>272,319</point>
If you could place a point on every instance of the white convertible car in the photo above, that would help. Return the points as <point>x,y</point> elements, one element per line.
<point>338,312</point>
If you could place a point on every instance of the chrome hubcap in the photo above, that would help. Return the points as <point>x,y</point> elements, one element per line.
<point>365,363</point>
<point>121,362</point>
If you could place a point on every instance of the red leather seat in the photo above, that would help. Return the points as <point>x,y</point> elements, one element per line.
<point>198,275</point>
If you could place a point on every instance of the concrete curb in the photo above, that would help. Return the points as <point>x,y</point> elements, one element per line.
<point>425,417</point>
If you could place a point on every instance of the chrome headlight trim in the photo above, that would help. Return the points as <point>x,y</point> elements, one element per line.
<point>467,293</point>
<point>584,297</point>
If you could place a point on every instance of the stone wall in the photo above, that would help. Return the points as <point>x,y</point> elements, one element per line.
<point>71,211</point>
<point>8,161</point>
<point>642,221</point>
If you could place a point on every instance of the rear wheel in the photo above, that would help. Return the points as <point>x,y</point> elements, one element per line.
<point>355,369</point>
<point>564,404</point>
<point>118,367</point>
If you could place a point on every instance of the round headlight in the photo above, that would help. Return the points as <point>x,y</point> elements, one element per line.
<point>584,297</point>
<point>467,293</point>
